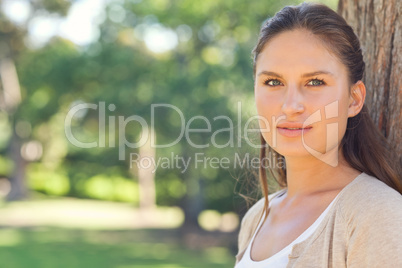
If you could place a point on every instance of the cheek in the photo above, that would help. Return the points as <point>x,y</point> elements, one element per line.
<point>266,104</point>
<point>263,112</point>
<point>335,117</point>
<point>268,110</point>
<point>343,107</point>
<point>343,117</point>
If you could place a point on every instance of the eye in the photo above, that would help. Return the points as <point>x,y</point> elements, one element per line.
<point>272,82</point>
<point>316,82</point>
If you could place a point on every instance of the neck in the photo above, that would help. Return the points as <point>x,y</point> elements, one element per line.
<point>310,175</point>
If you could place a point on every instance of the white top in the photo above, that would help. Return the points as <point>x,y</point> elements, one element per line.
<point>280,259</point>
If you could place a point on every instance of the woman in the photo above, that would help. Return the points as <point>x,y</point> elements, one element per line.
<point>341,205</point>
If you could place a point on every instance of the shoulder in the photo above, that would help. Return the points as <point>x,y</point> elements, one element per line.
<point>367,196</point>
<point>372,210</point>
<point>256,210</point>
<point>372,214</point>
<point>253,212</point>
<point>250,220</point>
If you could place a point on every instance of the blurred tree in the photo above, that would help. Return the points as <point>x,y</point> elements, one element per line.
<point>379,27</point>
<point>193,55</point>
<point>205,73</point>
<point>11,45</point>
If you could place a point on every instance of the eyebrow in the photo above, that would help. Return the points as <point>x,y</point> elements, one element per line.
<point>303,75</point>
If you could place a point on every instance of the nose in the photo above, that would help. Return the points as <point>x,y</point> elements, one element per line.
<point>292,101</point>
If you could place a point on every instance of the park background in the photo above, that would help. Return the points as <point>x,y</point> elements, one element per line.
<point>62,205</point>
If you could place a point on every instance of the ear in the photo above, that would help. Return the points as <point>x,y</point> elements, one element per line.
<point>356,98</point>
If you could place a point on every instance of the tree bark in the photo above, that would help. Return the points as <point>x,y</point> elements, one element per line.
<point>378,25</point>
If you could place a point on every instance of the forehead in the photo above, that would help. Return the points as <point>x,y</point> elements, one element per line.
<point>298,50</point>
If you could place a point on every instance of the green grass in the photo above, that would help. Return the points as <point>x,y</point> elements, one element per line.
<point>75,233</point>
<point>43,247</point>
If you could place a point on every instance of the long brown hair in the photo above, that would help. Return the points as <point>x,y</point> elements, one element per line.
<point>363,146</point>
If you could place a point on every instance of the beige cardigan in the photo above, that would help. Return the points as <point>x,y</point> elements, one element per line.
<point>363,228</point>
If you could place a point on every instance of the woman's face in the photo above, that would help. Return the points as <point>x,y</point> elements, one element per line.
<point>302,91</point>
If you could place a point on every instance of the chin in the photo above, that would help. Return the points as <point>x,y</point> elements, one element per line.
<point>298,148</point>
<point>293,151</point>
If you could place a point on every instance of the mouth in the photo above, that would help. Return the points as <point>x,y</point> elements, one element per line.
<point>293,129</point>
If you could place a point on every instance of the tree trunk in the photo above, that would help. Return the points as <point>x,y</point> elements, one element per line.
<point>146,174</point>
<point>379,26</point>
<point>193,202</point>
<point>10,98</point>
<point>18,189</point>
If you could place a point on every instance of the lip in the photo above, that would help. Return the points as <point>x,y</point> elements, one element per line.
<point>292,129</point>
